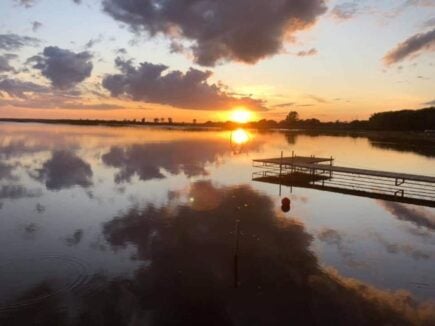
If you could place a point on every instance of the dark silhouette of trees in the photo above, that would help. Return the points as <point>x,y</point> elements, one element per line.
<point>423,119</point>
<point>292,117</point>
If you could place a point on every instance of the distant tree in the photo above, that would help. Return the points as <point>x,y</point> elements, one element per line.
<point>162,120</point>
<point>170,120</point>
<point>194,121</point>
<point>156,120</point>
<point>292,116</point>
<point>143,120</point>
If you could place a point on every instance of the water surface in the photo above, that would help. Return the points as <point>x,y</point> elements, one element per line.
<point>136,226</point>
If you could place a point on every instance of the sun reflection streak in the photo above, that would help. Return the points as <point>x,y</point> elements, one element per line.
<point>239,136</point>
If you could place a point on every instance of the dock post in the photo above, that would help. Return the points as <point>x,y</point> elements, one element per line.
<point>236,253</point>
<point>280,172</point>
<point>330,164</point>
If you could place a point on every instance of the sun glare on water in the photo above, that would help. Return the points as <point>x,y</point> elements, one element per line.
<point>239,136</point>
<point>241,116</point>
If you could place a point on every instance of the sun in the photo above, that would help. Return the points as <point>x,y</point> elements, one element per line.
<point>240,116</point>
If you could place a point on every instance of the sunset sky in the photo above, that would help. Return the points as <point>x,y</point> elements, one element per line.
<point>186,59</point>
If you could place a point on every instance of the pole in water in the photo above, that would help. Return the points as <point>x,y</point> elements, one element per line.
<point>236,254</point>
<point>280,172</point>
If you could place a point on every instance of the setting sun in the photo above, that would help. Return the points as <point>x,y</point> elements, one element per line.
<point>241,116</point>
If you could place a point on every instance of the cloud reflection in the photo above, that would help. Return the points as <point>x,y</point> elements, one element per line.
<point>417,215</point>
<point>147,160</point>
<point>65,170</point>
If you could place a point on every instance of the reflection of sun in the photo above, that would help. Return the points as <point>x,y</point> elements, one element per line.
<point>240,116</point>
<point>239,136</point>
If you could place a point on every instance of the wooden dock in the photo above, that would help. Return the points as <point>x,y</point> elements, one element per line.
<point>320,173</point>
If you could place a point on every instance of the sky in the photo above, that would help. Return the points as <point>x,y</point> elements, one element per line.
<point>202,59</point>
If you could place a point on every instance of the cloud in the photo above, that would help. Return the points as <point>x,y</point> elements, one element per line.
<point>152,83</point>
<point>429,22</point>
<point>64,68</point>
<point>19,88</point>
<point>284,105</point>
<point>243,30</point>
<point>94,41</point>
<point>430,103</point>
<point>420,3</point>
<point>12,42</point>
<point>5,65</point>
<point>36,26</point>
<point>411,47</point>
<point>346,10</point>
<point>318,99</point>
<point>65,170</point>
<point>26,3</point>
<point>31,95</point>
<point>307,53</point>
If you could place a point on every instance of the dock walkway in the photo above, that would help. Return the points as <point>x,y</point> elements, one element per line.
<point>320,173</point>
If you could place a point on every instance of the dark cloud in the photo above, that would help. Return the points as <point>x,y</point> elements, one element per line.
<point>284,105</point>
<point>12,42</point>
<point>5,65</point>
<point>36,26</point>
<point>147,160</point>
<point>416,215</point>
<point>152,83</point>
<point>94,41</point>
<point>17,192</point>
<point>243,30</point>
<point>26,3</point>
<point>307,53</point>
<point>346,10</point>
<point>318,99</point>
<point>429,22</point>
<point>430,103</point>
<point>64,68</point>
<point>18,88</point>
<point>65,170</point>
<point>411,47</point>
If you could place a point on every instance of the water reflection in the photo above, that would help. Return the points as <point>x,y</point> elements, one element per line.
<point>186,276</point>
<point>142,223</point>
<point>65,170</point>
<point>238,140</point>
<point>147,160</point>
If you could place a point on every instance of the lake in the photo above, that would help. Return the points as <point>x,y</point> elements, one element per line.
<point>148,226</point>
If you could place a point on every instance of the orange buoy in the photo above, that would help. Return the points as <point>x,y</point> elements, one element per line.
<point>285,201</point>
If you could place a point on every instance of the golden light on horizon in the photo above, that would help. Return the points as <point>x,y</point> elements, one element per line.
<point>241,115</point>
<point>239,136</point>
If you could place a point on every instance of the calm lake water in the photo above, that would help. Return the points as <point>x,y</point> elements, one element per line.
<point>136,226</point>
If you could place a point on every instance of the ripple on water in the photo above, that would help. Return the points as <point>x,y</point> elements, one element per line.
<point>21,277</point>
